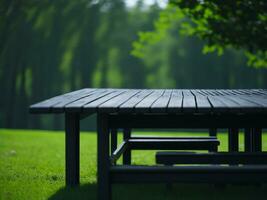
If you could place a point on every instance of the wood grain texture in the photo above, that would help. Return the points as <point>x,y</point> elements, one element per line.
<point>169,101</point>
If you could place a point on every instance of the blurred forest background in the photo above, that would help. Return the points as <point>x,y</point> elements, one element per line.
<point>51,47</point>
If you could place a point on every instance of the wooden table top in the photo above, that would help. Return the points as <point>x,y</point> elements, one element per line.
<point>92,100</point>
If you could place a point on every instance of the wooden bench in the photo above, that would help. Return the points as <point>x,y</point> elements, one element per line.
<point>162,143</point>
<point>130,109</point>
<point>226,158</point>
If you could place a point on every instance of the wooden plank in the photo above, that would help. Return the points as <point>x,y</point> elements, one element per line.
<point>170,101</point>
<point>218,104</point>
<point>256,100</point>
<point>144,105</point>
<point>245,105</point>
<point>246,102</point>
<point>263,91</point>
<point>170,137</point>
<point>245,92</point>
<point>59,107</point>
<point>176,101</point>
<point>248,91</point>
<point>217,101</point>
<point>129,105</point>
<point>118,152</point>
<point>202,102</point>
<point>202,92</point>
<point>171,158</point>
<point>113,104</point>
<point>218,92</point>
<point>161,104</point>
<point>189,102</point>
<point>225,120</point>
<point>238,92</point>
<point>173,144</point>
<point>231,105</point>
<point>45,106</point>
<point>213,174</point>
<point>77,106</point>
<point>209,92</point>
<point>92,106</point>
<point>227,92</point>
<point>259,92</point>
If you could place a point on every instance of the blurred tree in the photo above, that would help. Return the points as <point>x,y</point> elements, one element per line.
<point>51,47</point>
<point>240,24</point>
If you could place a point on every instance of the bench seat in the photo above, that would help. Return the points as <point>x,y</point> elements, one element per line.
<point>245,158</point>
<point>189,174</point>
<point>190,143</point>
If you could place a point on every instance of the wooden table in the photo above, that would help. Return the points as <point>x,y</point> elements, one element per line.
<point>156,108</point>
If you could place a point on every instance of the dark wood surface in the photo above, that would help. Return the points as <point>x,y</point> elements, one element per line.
<point>91,100</point>
<point>248,158</point>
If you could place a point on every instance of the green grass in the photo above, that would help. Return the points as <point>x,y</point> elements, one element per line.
<point>32,167</point>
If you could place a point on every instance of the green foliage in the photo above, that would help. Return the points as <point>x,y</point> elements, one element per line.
<point>240,24</point>
<point>258,59</point>
<point>221,24</point>
<point>166,19</point>
<point>174,60</point>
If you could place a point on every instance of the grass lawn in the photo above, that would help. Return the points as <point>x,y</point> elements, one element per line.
<point>32,167</point>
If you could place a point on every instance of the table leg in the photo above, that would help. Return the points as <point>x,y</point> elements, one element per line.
<point>213,132</point>
<point>103,164</point>
<point>127,154</point>
<point>257,139</point>
<point>233,139</point>
<point>72,148</point>
<point>248,139</point>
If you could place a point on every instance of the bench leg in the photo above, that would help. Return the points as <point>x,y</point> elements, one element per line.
<point>256,142</point>
<point>233,139</point>
<point>213,132</point>
<point>103,164</point>
<point>127,153</point>
<point>114,141</point>
<point>253,140</point>
<point>72,149</point>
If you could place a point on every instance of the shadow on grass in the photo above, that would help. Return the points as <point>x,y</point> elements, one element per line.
<point>85,191</point>
<point>160,192</point>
